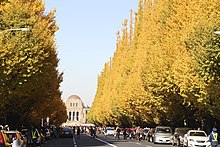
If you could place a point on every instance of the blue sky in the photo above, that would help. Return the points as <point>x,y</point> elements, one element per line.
<point>86,40</point>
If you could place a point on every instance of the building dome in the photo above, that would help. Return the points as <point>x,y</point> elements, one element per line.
<point>76,111</point>
<point>74,97</point>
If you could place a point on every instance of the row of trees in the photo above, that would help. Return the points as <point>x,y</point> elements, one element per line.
<point>165,69</point>
<point>29,78</point>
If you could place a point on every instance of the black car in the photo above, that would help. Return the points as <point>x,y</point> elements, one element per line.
<point>66,132</point>
<point>178,136</point>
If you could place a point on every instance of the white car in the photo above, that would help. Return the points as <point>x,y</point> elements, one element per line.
<point>110,132</point>
<point>162,134</point>
<point>194,138</point>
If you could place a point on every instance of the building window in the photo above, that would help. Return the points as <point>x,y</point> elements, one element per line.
<point>69,116</point>
<point>70,104</point>
<point>73,104</point>
<point>73,116</point>
<point>77,116</point>
<point>76,104</point>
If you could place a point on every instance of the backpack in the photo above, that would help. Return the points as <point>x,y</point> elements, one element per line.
<point>1,138</point>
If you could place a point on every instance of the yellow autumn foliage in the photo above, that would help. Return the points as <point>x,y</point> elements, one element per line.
<point>167,71</point>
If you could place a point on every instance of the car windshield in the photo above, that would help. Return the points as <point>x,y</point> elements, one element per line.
<point>11,136</point>
<point>197,134</point>
<point>163,130</point>
<point>66,129</point>
<point>110,129</point>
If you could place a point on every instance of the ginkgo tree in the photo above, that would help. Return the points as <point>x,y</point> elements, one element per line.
<point>29,75</point>
<point>168,71</point>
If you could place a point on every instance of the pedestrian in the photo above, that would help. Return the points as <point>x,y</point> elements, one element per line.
<point>78,132</point>
<point>118,130</point>
<point>74,130</point>
<point>125,133</point>
<point>96,129</point>
<point>91,131</point>
<point>213,138</point>
<point>150,135</point>
<point>138,133</point>
<point>34,136</point>
<point>105,132</point>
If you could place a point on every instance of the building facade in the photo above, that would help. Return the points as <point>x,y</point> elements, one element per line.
<point>76,111</point>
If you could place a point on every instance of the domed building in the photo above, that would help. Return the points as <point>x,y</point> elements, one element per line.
<point>76,111</point>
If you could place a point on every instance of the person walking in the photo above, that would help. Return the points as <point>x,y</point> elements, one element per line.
<point>138,133</point>
<point>125,134</point>
<point>34,136</point>
<point>78,132</point>
<point>91,131</point>
<point>118,130</point>
<point>213,138</point>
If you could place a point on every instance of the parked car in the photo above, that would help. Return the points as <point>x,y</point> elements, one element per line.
<point>196,138</point>
<point>110,132</point>
<point>66,132</point>
<point>15,138</point>
<point>178,136</point>
<point>162,134</point>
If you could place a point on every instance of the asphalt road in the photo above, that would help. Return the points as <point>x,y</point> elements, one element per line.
<point>86,141</point>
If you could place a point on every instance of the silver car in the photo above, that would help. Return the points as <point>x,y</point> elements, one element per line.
<point>162,134</point>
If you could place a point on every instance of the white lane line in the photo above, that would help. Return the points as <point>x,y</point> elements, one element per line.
<point>137,143</point>
<point>106,142</point>
<point>74,142</point>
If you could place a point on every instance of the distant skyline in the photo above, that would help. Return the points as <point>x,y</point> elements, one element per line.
<point>86,40</point>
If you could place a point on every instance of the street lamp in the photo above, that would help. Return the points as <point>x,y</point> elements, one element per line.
<point>20,29</point>
<point>15,29</point>
<point>217,32</point>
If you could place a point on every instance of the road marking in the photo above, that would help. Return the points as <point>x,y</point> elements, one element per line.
<point>74,142</point>
<point>106,142</point>
<point>148,146</point>
<point>137,143</point>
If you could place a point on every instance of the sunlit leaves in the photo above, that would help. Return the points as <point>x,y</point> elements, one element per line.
<point>170,70</point>
<point>29,62</point>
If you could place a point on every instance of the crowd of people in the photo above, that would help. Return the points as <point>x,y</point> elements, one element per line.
<point>28,137</point>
